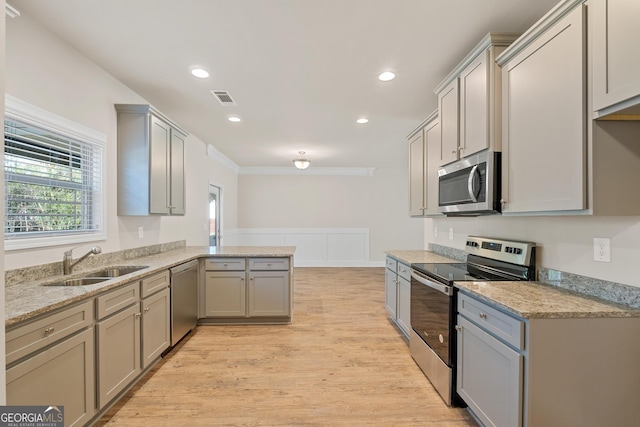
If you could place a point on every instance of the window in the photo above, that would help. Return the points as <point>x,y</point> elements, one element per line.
<point>53,179</point>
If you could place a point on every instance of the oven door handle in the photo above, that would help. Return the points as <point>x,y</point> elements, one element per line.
<point>447,290</point>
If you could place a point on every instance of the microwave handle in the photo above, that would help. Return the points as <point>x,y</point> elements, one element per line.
<point>470,181</point>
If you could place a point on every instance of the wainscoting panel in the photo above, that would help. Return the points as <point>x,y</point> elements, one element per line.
<point>315,247</point>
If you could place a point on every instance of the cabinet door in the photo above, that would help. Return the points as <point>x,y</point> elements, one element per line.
<point>544,141</point>
<point>225,294</point>
<point>177,173</point>
<point>448,114</point>
<point>159,182</point>
<point>616,62</point>
<point>269,293</point>
<point>434,160</point>
<point>118,353</point>
<point>61,375</point>
<point>390,287</point>
<point>404,305</point>
<point>474,104</point>
<point>156,329</point>
<point>489,376</point>
<point>417,175</point>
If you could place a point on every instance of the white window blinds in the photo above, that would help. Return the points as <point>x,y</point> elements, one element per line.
<point>53,181</point>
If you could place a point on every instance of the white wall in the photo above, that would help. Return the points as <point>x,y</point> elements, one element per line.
<point>379,203</point>
<point>44,71</point>
<point>3,389</point>
<point>566,242</point>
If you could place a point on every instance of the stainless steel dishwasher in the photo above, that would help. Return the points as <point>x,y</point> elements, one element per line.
<point>184,300</point>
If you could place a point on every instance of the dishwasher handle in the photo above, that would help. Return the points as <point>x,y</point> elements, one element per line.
<point>184,267</point>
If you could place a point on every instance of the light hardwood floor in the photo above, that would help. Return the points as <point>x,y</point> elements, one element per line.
<point>340,363</point>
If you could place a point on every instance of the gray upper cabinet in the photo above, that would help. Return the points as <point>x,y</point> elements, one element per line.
<point>469,101</point>
<point>150,162</point>
<point>616,63</point>
<point>425,157</point>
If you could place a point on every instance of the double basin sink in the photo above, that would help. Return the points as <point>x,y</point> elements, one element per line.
<point>99,276</point>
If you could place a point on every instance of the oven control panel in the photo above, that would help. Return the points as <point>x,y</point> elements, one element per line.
<point>515,252</point>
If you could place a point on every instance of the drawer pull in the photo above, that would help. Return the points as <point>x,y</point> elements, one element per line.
<point>48,331</point>
<point>138,315</point>
<point>483,316</point>
<point>458,328</point>
<point>146,310</point>
<point>225,264</point>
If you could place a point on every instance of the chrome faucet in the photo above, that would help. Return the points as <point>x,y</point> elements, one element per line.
<point>67,263</point>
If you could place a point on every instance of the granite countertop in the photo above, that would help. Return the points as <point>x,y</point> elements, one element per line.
<point>411,257</point>
<point>535,300</point>
<point>31,298</point>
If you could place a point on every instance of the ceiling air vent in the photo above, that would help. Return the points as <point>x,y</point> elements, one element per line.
<point>223,97</point>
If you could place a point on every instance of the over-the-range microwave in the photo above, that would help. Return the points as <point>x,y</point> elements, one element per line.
<point>470,186</point>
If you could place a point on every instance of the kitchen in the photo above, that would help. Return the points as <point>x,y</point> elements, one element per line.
<point>69,76</point>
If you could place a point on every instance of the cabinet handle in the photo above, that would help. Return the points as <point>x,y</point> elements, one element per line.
<point>250,278</point>
<point>146,310</point>
<point>503,201</point>
<point>454,151</point>
<point>48,331</point>
<point>458,328</point>
<point>242,278</point>
<point>137,315</point>
<point>268,264</point>
<point>483,316</point>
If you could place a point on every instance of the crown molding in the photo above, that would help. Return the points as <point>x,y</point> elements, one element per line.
<point>265,170</point>
<point>215,154</point>
<point>11,11</point>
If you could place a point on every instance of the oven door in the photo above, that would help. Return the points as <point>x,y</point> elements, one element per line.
<point>432,314</point>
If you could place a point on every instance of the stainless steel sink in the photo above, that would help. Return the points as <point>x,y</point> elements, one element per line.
<point>81,281</point>
<point>100,276</point>
<point>117,271</point>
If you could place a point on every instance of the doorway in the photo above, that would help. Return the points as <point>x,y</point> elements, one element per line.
<point>215,202</point>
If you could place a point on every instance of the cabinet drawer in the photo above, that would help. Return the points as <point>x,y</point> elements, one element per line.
<point>232,264</point>
<point>404,271</point>
<point>505,327</point>
<point>152,284</point>
<point>33,336</point>
<point>264,264</point>
<point>115,301</point>
<point>392,264</point>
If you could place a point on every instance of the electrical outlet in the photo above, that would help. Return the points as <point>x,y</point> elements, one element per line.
<point>140,232</point>
<point>450,233</point>
<point>601,249</point>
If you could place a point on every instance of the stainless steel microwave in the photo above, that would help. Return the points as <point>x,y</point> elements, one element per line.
<point>470,186</point>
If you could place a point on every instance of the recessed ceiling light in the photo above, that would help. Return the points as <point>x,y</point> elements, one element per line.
<point>200,73</point>
<point>386,76</point>
<point>362,120</point>
<point>234,119</point>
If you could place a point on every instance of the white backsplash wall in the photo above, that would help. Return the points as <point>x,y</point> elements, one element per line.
<point>565,242</point>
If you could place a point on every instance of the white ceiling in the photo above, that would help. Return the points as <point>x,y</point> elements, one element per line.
<point>301,71</point>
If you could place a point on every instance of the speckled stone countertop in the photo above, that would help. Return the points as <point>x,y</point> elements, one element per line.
<point>31,298</point>
<point>411,257</point>
<point>535,300</point>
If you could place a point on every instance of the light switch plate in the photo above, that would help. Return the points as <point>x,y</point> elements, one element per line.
<point>140,232</point>
<point>450,233</point>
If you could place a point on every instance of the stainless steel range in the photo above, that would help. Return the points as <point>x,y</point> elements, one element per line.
<point>433,302</point>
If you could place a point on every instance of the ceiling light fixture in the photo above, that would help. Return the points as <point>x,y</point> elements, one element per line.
<point>387,76</point>
<point>234,119</point>
<point>362,120</point>
<point>200,73</point>
<point>302,162</point>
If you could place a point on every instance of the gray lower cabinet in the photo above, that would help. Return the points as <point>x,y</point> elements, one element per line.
<point>156,331</point>
<point>63,374</point>
<point>118,339</point>
<point>398,293</point>
<point>251,288</point>
<point>546,370</point>
<point>489,376</point>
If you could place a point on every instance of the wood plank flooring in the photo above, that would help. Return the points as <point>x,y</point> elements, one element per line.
<point>340,363</point>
